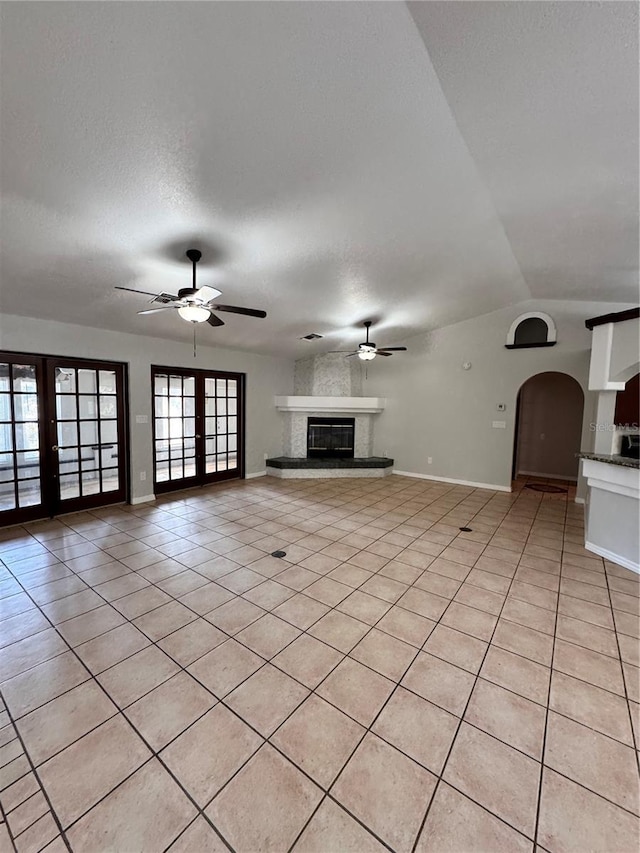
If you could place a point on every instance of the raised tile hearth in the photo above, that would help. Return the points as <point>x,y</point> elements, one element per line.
<point>288,467</point>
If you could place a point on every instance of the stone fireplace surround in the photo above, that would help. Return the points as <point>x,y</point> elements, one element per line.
<point>327,385</point>
<point>295,434</point>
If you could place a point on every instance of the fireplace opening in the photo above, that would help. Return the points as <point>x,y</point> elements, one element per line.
<point>330,438</point>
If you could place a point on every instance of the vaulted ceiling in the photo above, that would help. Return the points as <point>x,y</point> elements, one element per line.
<point>415,164</point>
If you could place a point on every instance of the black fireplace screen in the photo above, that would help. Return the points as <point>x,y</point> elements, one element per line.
<point>330,438</point>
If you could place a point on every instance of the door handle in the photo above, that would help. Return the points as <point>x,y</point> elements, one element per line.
<point>198,436</point>
<point>55,447</point>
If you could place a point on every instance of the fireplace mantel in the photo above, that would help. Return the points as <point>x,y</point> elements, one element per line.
<point>331,405</point>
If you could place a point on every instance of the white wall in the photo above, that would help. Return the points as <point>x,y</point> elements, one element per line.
<point>266,377</point>
<point>437,409</point>
<point>625,354</point>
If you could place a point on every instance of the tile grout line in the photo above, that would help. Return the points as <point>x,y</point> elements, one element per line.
<point>536,830</point>
<point>35,820</point>
<point>3,813</point>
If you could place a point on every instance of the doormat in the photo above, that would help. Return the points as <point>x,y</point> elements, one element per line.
<point>545,487</point>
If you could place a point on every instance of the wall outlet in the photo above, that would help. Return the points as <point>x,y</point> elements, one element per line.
<point>142,419</point>
<point>143,475</point>
<point>499,424</point>
<point>265,455</point>
<point>429,460</point>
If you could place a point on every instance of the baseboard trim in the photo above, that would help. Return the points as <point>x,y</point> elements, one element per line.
<point>454,482</point>
<point>255,474</point>
<point>613,558</point>
<point>143,500</point>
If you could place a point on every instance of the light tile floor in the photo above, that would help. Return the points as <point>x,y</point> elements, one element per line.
<point>392,683</point>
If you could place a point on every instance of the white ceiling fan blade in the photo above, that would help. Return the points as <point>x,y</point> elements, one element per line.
<point>155,310</point>
<point>206,293</point>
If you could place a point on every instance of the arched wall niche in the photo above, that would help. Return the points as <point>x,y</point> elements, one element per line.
<point>533,329</point>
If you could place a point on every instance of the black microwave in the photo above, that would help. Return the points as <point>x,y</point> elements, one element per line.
<point>630,446</point>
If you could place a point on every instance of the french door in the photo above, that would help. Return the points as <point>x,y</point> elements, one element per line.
<point>198,427</point>
<point>62,435</point>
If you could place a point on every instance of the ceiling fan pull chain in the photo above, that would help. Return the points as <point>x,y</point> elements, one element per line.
<point>194,336</point>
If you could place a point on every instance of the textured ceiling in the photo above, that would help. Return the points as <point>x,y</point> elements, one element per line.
<point>546,98</point>
<point>329,165</point>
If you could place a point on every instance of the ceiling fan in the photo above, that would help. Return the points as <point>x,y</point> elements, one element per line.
<point>194,304</point>
<point>367,350</point>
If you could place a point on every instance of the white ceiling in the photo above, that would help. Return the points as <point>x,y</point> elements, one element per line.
<point>546,98</point>
<point>330,167</point>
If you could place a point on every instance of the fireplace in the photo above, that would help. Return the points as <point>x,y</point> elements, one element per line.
<point>330,438</point>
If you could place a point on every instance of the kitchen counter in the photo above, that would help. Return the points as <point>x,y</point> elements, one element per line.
<point>611,459</point>
<point>612,508</point>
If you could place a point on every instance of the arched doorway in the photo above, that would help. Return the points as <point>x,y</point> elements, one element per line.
<point>548,427</point>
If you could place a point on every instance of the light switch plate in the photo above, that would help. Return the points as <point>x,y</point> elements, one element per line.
<point>142,419</point>
<point>499,424</point>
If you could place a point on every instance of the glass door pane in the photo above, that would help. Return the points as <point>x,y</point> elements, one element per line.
<point>21,479</point>
<point>197,426</point>
<point>221,425</point>
<point>88,440</point>
<point>62,433</point>
<point>174,427</point>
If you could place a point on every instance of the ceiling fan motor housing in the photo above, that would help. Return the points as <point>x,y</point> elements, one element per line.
<point>186,291</point>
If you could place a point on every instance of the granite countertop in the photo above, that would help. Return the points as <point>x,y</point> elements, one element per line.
<point>611,459</point>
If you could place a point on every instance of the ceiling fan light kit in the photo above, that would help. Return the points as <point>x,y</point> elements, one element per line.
<point>367,350</point>
<point>194,313</point>
<point>367,353</point>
